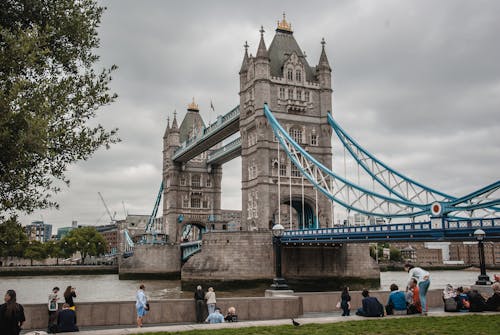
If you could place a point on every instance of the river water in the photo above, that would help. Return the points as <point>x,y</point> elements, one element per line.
<point>35,289</point>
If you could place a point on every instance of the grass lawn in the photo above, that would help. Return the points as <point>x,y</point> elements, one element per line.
<point>469,324</point>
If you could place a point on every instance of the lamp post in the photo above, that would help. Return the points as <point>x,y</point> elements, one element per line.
<point>483,278</point>
<point>278,282</point>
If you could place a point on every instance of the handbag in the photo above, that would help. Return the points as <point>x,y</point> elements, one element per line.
<point>147,306</point>
<point>337,305</point>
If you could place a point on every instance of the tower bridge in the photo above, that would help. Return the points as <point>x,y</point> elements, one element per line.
<point>285,124</point>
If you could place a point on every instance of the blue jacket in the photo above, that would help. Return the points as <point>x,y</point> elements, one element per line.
<point>398,300</point>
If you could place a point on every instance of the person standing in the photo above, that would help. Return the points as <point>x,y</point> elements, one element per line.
<point>53,307</point>
<point>141,305</point>
<point>344,301</point>
<point>423,282</point>
<point>199,299</point>
<point>11,315</point>
<point>211,301</point>
<point>69,294</point>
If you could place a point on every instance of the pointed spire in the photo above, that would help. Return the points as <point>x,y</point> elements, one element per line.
<point>323,60</point>
<point>174,122</point>
<point>168,128</point>
<point>244,64</point>
<point>262,50</point>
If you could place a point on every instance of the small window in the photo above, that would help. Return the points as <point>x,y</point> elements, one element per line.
<point>290,74</point>
<point>314,139</point>
<point>209,182</point>
<point>183,181</point>
<point>290,93</point>
<point>282,93</point>
<point>195,180</point>
<point>299,94</point>
<point>205,203</point>
<point>298,75</point>
<point>283,170</point>
<point>306,96</point>
<point>185,203</point>
<point>296,134</point>
<point>295,172</point>
<point>195,203</point>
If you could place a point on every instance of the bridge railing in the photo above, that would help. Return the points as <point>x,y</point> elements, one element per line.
<point>225,149</point>
<point>475,223</point>
<point>214,127</point>
<point>188,249</point>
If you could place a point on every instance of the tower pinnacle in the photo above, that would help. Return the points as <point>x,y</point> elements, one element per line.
<point>262,50</point>
<point>284,25</point>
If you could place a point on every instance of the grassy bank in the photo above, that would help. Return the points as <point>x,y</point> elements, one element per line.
<point>467,324</point>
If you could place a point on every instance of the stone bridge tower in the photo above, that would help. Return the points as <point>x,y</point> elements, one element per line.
<point>300,96</point>
<point>191,192</point>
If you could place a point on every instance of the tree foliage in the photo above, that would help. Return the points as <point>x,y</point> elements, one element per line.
<point>35,251</point>
<point>86,240</point>
<point>13,239</point>
<point>49,91</point>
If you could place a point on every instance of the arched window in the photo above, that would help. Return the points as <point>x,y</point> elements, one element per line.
<point>282,93</point>
<point>290,74</point>
<point>294,171</point>
<point>299,94</point>
<point>195,202</point>
<point>298,75</point>
<point>290,93</point>
<point>296,134</point>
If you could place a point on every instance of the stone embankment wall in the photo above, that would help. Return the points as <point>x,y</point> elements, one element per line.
<point>58,270</point>
<point>183,310</point>
<point>149,261</point>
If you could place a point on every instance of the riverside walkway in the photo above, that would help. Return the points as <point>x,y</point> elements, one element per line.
<point>317,318</point>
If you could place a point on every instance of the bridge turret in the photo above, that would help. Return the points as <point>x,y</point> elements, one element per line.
<point>262,59</point>
<point>244,68</point>
<point>324,73</point>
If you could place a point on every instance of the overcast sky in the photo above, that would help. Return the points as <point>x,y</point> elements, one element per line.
<point>415,82</point>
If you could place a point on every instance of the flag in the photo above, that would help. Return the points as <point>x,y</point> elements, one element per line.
<point>212,106</point>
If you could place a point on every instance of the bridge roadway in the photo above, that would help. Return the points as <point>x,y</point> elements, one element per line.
<point>462,230</point>
<point>215,133</point>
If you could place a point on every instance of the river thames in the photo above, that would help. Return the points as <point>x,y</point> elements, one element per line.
<point>35,289</point>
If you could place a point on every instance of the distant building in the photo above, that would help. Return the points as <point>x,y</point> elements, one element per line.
<point>110,234</point>
<point>38,231</point>
<point>62,232</point>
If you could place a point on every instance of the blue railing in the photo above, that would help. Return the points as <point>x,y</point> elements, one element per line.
<point>421,231</point>
<point>221,122</point>
<point>188,249</point>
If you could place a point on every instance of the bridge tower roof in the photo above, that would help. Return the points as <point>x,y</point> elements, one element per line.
<point>282,47</point>
<point>192,123</point>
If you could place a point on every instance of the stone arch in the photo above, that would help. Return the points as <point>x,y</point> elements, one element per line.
<point>192,231</point>
<point>300,220</point>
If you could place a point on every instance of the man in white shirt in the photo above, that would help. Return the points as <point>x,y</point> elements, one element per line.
<point>423,281</point>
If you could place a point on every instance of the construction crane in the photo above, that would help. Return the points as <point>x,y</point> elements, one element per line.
<point>112,218</point>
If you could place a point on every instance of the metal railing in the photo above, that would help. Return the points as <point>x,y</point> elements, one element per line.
<point>227,149</point>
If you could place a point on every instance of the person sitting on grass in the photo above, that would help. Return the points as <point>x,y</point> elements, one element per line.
<point>66,320</point>
<point>215,317</point>
<point>397,302</point>
<point>413,298</point>
<point>371,306</point>
<point>231,315</point>
<point>493,302</point>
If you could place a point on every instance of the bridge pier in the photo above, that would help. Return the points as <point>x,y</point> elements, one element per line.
<point>151,261</point>
<point>245,259</point>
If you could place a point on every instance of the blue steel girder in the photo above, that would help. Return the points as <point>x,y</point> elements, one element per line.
<point>338,189</point>
<point>408,189</point>
<point>221,129</point>
<point>149,226</point>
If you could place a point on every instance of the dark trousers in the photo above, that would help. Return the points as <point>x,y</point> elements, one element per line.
<point>200,311</point>
<point>345,308</point>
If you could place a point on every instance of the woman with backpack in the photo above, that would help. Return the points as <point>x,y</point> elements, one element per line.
<point>11,315</point>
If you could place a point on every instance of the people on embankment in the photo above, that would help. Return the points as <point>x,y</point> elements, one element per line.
<point>423,281</point>
<point>493,302</point>
<point>66,320</point>
<point>69,294</point>
<point>371,307</point>
<point>199,300</point>
<point>345,303</point>
<point>53,308</point>
<point>11,315</point>
<point>215,317</point>
<point>211,300</point>
<point>141,305</point>
<point>396,303</point>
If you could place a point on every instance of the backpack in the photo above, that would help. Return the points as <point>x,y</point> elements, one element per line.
<point>450,305</point>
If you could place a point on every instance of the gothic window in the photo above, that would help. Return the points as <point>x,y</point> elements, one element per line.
<point>314,139</point>
<point>282,169</point>
<point>209,182</point>
<point>252,171</point>
<point>298,75</point>
<point>282,93</point>
<point>183,181</point>
<point>294,171</point>
<point>296,134</point>
<point>252,138</point>
<point>306,98</point>
<point>205,203</point>
<point>290,93</point>
<point>195,180</point>
<point>195,202</point>
<point>290,74</point>
<point>299,94</point>
<point>185,202</point>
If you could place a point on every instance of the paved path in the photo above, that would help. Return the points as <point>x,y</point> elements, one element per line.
<point>305,319</point>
